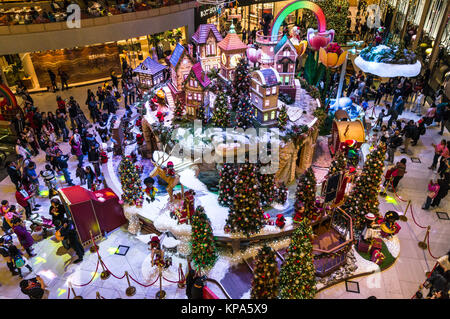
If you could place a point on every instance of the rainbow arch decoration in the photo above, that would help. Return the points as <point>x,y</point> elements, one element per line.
<point>8,104</point>
<point>294,6</point>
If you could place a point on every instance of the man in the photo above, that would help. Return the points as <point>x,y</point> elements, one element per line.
<point>52,79</point>
<point>57,211</point>
<point>410,131</point>
<point>61,122</point>
<point>62,163</point>
<point>69,233</point>
<point>438,150</point>
<point>399,172</point>
<point>73,112</point>
<point>400,105</point>
<point>64,77</point>
<point>392,113</point>
<point>393,142</point>
<point>33,288</point>
<point>22,198</point>
<point>445,117</point>
<point>419,101</point>
<point>50,180</point>
<point>13,172</point>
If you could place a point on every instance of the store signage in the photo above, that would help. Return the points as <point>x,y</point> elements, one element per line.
<point>96,56</point>
<point>209,12</point>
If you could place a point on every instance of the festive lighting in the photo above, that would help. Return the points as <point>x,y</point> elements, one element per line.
<point>39,260</point>
<point>390,200</point>
<point>61,291</point>
<point>113,250</point>
<point>44,193</point>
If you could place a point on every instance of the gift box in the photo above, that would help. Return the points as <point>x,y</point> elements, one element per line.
<point>377,243</point>
<point>363,246</point>
<point>377,257</point>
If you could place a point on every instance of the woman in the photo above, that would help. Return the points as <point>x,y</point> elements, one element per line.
<point>433,189</point>
<point>21,149</point>
<point>52,119</point>
<point>51,156</point>
<point>90,177</point>
<point>30,137</point>
<point>23,236</point>
<point>61,104</point>
<point>93,109</point>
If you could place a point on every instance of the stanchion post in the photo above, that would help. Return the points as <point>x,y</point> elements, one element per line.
<point>105,273</point>
<point>75,295</point>
<point>94,246</point>
<point>423,244</point>
<point>182,281</point>
<point>403,217</point>
<point>130,291</point>
<point>161,294</point>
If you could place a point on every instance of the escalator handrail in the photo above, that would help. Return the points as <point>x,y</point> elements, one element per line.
<point>220,286</point>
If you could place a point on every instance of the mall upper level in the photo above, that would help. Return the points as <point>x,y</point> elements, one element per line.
<point>55,35</point>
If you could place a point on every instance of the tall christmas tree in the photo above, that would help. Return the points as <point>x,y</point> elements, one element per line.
<point>244,113</point>
<point>179,110</point>
<point>221,115</point>
<point>282,118</point>
<point>265,275</point>
<point>241,82</point>
<point>363,198</point>
<point>203,246</point>
<point>305,197</point>
<point>267,188</point>
<point>297,274</point>
<point>245,214</point>
<point>339,164</point>
<point>226,184</point>
<point>131,183</point>
<point>201,114</point>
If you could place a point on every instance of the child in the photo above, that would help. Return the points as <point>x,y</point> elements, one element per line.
<point>433,189</point>
<point>388,176</point>
<point>150,190</point>
<point>81,174</point>
<point>380,118</point>
<point>50,180</point>
<point>19,260</point>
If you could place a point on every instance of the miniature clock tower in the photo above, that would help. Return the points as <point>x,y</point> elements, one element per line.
<point>232,50</point>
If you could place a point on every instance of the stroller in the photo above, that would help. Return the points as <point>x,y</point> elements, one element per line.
<point>39,223</point>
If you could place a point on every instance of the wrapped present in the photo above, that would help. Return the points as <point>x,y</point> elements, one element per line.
<point>376,243</point>
<point>363,246</point>
<point>377,257</point>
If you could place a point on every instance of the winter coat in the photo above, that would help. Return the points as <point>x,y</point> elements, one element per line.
<point>400,170</point>
<point>93,155</point>
<point>24,236</point>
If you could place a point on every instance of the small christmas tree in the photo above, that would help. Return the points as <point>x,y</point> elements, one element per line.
<point>267,188</point>
<point>297,274</point>
<point>241,82</point>
<point>201,114</point>
<point>265,275</point>
<point>282,193</point>
<point>203,246</point>
<point>282,118</point>
<point>339,164</point>
<point>244,113</point>
<point>221,115</point>
<point>131,183</point>
<point>363,198</point>
<point>179,110</point>
<point>245,214</point>
<point>226,184</point>
<point>306,197</point>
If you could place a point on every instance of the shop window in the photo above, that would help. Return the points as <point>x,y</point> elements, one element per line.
<point>266,117</point>
<point>267,91</point>
<point>272,115</point>
<point>266,103</point>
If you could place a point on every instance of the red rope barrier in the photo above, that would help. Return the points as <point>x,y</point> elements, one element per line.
<point>111,272</point>
<point>412,214</point>
<point>173,282</point>
<point>429,275</point>
<point>428,242</point>
<point>395,192</point>
<point>181,276</point>
<point>143,284</point>
<point>96,269</point>
<point>68,293</point>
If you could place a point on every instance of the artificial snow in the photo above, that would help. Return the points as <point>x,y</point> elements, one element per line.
<point>170,242</point>
<point>150,273</point>
<point>388,70</point>
<point>393,245</point>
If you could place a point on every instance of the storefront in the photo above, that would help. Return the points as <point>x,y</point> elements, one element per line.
<point>89,63</point>
<point>246,15</point>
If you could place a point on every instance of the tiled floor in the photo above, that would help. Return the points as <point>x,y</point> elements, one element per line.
<point>399,281</point>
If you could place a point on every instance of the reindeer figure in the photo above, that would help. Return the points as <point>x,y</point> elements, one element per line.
<point>172,181</point>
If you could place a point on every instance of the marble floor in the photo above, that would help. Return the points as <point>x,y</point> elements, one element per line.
<point>400,281</point>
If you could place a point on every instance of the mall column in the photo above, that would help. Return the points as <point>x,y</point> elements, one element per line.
<point>405,22</point>
<point>426,7</point>
<point>438,39</point>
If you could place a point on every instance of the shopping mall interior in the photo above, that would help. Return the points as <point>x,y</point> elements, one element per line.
<point>220,149</point>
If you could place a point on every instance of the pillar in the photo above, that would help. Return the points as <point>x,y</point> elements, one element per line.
<point>426,7</point>
<point>405,23</point>
<point>438,39</point>
<point>28,67</point>
<point>394,16</point>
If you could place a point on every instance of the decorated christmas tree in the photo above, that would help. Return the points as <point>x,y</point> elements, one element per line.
<point>201,114</point>
<point>221,115</point>
<point>265,275</point>
<point>282,193</point>
<point>282,118</point>
<point>305,197</point>
<point>245,214</point>
<point>226,184</point>
<point>297,274</point>
<point>267,188</point>
<point>241,82</point>
<point>131,183</point>
<point>363,198</point>
<point>244,113</point>
<point>203,247</point>
<point>339,164</point>
<point>179,110</point>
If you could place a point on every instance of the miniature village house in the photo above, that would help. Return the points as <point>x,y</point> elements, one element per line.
<point>264,95</point>
<point>232,50</point>
<point>285,58</point>
<point>205,41</point>
<point>196,90</point>
<point>150,73</point>
<point>180,63</point>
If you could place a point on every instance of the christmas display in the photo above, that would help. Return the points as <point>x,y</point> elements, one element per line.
<point>363,198</point>
<point>244,114</point>
<point>305,197</point>
<point>131,183</point>
<point>179,110</point>
<point>241,82</point>
<point>282,193</point>
<point>226,184</point>
<point>221,115</point>
<point>203,248</point>
<point>297,274</point>
<point>245,214</point>
<point>265,275</point>
<point>267,188</point>
<point>282,118</point>
<point>338,165</point>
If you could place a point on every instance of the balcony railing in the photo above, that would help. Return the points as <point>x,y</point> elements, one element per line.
<point>267,39</point>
